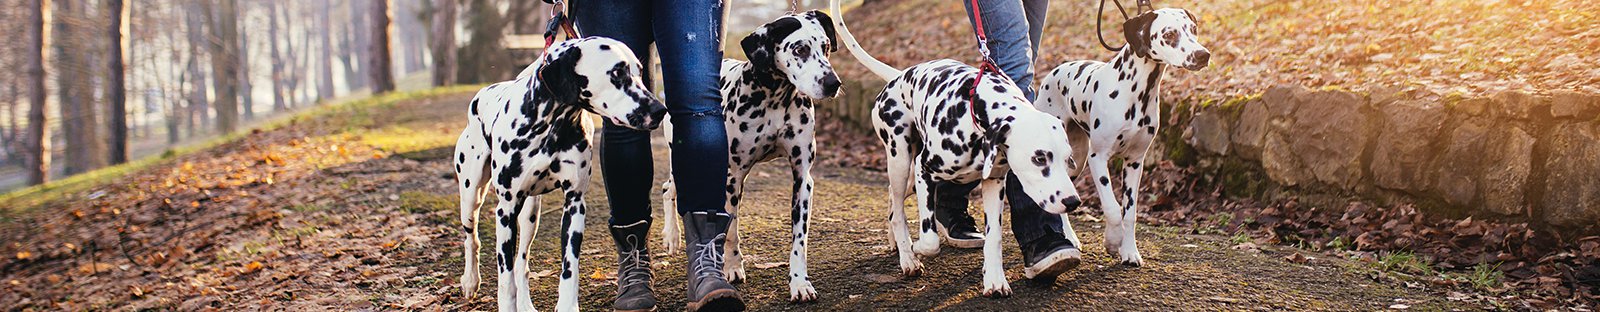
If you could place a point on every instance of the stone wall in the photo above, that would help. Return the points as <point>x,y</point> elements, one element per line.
<point>1512,155</point>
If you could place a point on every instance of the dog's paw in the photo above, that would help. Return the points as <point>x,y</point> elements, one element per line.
<point>1130,256</point>
<point>927,245</point>
<point>734,269</point>
<point>469,285</point>
<point>996,286</point>
<point>910,267</point>
<point>800,291</point>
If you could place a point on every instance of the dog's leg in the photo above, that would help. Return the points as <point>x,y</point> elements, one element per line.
<point>733,266</point>
<point>1098,163</point>
<point>671,238</point>
<point>899,235</point>
<point>470,170</point>
<point>800,289</point>
<point>506,252</point>
<point>572,224</point>
<point>1132,172</point>
<point>927,237</point>
<point>525,230</point>
<point>994,275</point>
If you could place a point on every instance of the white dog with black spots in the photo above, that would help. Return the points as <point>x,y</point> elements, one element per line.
<point>528,137</point>
<point>768,107</point>
<point>934,127</point>
<point>1118,104</point>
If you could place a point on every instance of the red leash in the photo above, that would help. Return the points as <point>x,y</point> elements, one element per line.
<point>985,62</point>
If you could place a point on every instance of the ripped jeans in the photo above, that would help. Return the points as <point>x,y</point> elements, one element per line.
<point>688,36</point>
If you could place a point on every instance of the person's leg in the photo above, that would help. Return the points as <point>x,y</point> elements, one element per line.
<point>1041,236</point>
<point>689,41</point>
<point>955,223</point>
<point>1035,10</point>
<point>625,158</point>
<point>626,164</point>
<point>1006,25</point>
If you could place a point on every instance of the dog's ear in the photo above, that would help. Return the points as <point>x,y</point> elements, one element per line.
<point>1196,20</point>
<point>762,45</point>
<point>827,28</point>
<point>560,78</point>
<point>1137,31</point>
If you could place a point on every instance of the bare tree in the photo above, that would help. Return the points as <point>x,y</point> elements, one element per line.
<point>325,69</point>
<point>199,115</point>
<point>382,69</point>
<point>278,88</point>
<point>224,45</point>
<point>38,39</point>
<point>78,113</point>
<point>443,36</point>
<point>116,90</point>
<point>242,59</point>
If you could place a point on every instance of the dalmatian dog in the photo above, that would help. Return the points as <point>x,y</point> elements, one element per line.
<point>933,130</point>
<point>1118,104</point>
<point>769,115</point>
<point>528,137</point>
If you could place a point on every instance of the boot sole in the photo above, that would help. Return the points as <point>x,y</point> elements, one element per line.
<point>719,300</point>
<point>650,309</point>
<point>1053,265</point>
<point>955,242</point>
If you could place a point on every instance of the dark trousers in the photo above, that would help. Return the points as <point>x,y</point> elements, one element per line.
<point>688,36</point>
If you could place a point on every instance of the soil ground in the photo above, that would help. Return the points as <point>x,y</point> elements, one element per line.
<point>356,210</point>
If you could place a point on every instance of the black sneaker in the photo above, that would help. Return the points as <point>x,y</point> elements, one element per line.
<point>1046,258</point>
<point>954,223</point>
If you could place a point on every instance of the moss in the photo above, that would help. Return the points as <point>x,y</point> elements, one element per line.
<point>30,197</point>
<point>424,202</point>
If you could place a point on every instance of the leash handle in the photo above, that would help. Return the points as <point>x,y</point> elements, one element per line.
<point>1141,7</point>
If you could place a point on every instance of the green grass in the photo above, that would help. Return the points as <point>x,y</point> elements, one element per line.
<point>1403,262</point>
<point>25,199</point>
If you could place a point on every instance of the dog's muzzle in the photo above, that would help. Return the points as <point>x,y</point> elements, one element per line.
<point>830,85</point>
<point>657,111</point>
<point>1199,60</point>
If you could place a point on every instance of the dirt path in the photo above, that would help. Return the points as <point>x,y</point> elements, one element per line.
<point>371,225</point>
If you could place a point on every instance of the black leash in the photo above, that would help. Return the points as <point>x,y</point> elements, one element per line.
<point>1143,6</point>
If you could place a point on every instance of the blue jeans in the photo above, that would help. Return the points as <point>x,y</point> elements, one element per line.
<point>688,36</point>
<point>1013,28</point>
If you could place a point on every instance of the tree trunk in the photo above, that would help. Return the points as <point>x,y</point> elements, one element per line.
<point>358,45</point>
<point>278,104</point>
<point>444,42</point>
<point>242,63</point>
<point>80,124</point>
<point>199,114</point>
<point>224,42</point>
<point>38,37</point>
<point>325,68</point>
<point>117,88</point>
<point>382,61</point>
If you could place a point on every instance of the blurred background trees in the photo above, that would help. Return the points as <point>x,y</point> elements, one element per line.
<point>99,82</point>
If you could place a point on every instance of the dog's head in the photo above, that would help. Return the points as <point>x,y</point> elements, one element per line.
<point>604,77</point>
<point>798,45</point>
<point>1035,147</point>
<point>1169,36</point>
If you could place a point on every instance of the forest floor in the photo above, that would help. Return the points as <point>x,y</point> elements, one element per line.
<point>352,207</point>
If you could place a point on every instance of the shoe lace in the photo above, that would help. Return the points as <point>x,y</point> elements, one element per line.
<point>634,268</point>
<point>711,265</point>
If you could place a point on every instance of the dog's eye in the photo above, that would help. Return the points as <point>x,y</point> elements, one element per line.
<point>803,50</point>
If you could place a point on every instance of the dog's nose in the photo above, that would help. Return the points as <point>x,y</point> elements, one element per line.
<point>830,85</point>
<point>1072,202</point>
<point>1199,59</point>
<point>657,111</point>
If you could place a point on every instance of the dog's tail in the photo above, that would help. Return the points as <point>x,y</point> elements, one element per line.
<point>878,67</point>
